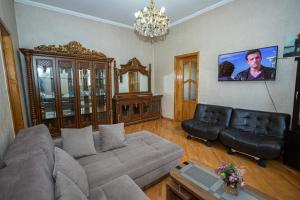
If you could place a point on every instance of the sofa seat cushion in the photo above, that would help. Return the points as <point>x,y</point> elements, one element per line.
<point>121,188</point>
<point>100,156</point>
<point>27,180</point>
<point>202,130</point>
<point>144,153</point>
<point>261,146</point>
<point>148,153</point>
<point>103,171</point>
<point>30,141</point>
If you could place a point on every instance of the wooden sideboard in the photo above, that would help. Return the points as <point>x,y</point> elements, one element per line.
<point>132,109</point>
<point>133,101</point>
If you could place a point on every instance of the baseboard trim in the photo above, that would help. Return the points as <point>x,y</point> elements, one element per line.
<point>167,118</point>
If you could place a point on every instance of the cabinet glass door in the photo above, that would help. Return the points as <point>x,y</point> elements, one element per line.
<point>100,94</point>
<point>44,69</point>
<point>67,93</point>
<point>85,93</point>
<point>136,110</point>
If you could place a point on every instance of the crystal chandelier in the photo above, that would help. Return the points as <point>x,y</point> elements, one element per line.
<point>151,21</point>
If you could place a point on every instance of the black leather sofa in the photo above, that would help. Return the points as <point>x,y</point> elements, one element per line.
<point>207,123</point>
<point>256,133</point>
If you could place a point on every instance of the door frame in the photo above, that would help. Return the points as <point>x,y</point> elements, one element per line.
<point>177,62</point>
<point>296,109</point>
<point>11,78</point>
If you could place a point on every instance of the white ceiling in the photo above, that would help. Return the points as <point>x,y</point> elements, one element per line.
<point>121,12</point>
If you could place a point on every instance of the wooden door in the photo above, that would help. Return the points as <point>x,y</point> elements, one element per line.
<point>46,91</point>
<point>84,88</point>
<point>186,86</point>
<point>296,110</point>
<point>67,100</point>
<point>11,78</point>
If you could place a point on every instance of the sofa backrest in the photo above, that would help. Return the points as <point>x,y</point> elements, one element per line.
<point>219,115</point>
<point>29,165</point>
<point>28,141</point>
<point>261,123</point>
<point>30,179</point>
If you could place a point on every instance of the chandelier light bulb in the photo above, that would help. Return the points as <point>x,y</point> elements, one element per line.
<point>162,9</point>
<point>136,14</point>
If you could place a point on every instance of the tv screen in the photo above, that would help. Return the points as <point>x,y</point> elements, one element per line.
<point>249,65</point>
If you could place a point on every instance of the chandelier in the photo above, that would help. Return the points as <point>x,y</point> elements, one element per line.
<point>151,21</point>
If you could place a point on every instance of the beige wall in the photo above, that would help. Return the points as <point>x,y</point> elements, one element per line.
<point>38,26</point>
<point>239,25</point>
<point>7,17</point>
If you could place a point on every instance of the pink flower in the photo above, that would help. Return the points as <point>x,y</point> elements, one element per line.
<point>243,184</point>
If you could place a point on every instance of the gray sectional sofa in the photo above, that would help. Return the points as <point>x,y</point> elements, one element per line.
<point>112,175</point>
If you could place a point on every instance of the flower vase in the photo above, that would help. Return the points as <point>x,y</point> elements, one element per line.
<point>231,190</point>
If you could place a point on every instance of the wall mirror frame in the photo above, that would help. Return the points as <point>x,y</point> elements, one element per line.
<point>132,70</point>
<point>132,107</point>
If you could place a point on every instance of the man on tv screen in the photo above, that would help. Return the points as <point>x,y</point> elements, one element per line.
<point>256,71</point>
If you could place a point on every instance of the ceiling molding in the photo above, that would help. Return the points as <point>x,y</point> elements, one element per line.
<point>73,13</point>
<point>90,17</point>
<point>200,12</point>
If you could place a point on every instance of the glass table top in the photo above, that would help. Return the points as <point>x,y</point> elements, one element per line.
<point>209,181</point>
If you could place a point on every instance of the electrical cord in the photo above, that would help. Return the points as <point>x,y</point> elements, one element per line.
<point>270,97</point>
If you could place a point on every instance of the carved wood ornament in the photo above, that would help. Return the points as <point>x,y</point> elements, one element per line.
<point>133,65</point>
<point>73,48</point>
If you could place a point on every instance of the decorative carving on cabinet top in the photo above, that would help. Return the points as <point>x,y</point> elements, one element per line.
<point>73,48</point>
<point>133,65</point>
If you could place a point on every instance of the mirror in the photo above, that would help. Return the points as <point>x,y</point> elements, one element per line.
<point>133,77</point>
<point>133,82</point>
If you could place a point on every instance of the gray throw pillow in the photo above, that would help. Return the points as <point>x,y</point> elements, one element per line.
<point>65,189</point>
<point>78,142</point>
<point>112,136</point>
<point>66,164</point>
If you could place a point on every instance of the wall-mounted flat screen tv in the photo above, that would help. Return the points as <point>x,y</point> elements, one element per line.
<point>249,65</point>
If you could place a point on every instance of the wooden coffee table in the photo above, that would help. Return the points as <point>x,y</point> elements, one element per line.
<point>191,181</point>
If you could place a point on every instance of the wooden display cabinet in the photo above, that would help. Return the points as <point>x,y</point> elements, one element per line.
<point>69,86</point>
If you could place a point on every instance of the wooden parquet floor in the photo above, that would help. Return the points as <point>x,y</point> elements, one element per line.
<point>277,179</point>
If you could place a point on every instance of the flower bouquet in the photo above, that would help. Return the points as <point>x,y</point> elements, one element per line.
<point>232,177</point>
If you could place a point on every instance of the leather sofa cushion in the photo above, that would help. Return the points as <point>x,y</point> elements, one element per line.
<point>212,114</point>
<point>260,123</point>
<point>266,147</point>
<point>202,130</point>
